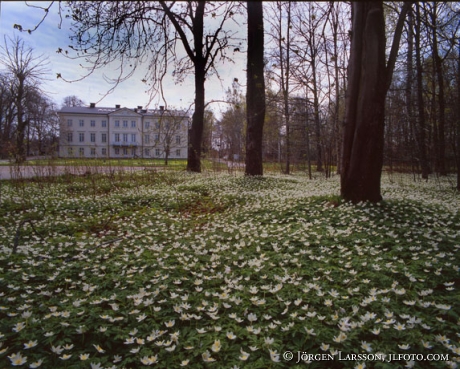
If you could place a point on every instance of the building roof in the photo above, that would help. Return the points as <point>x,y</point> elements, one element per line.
<point>109,110</point>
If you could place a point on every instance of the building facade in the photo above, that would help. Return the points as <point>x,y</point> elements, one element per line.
<point>102,132</point>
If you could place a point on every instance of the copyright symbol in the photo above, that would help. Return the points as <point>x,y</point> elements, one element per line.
<point>288,355</point>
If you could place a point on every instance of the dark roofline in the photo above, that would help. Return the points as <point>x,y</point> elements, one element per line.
<point>109,110</point>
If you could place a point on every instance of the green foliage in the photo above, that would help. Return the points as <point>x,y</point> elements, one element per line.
<point>204,271</point>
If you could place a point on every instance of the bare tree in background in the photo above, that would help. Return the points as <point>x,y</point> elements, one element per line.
<point>72,101</point>
<point>168,132</point>
<point>42,130</point>
<point>280,56</point>
<point>232,124</point>
<point>7,114</point>
<point>27,72</point>
<point>309,27</point>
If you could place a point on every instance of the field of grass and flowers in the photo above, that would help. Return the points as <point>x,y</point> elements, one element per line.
<point>171,269</point>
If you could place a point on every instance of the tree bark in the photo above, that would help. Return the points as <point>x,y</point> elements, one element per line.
<point>421,136</point>
<point>368,81</point>
<point>255,94</point>
<point>21,122</point>
<point>458,118</point>
<point>441,147</point>
<point>335,27</point>
<point>285,75</point>
<point>410,71</point>
<point>196,130</point>
<point>319,155</point>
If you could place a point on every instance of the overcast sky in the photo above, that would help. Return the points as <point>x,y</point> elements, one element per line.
<point>131,93</point>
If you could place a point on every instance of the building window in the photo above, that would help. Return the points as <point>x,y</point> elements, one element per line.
<point>81,137</point>
<point>147,125</point>
<point>125,124</point>
<point>104,124</point>
<point>117,123</point>
<point>117,137</point>
<point>82,151</point>
<point>157,152</point>
<point>133,124</point>
<point>93,151</point>
<point>146,139</point>
<point>125,137</point>
<point>157,137</point>
<point>93,123</point>
<point>104,137</point>
<point>125,151</point>
<point>104,151</point>
<point>117,151</point>
<point>177,140</point>
<point>69,122</point>
<point>70,151</point>
<point>133,137</point>
<point>157,125</point>
<point>81,123</point>
<point>93,137</point>
<point>147,152</point>
<point>178,153</point>
<point>70,137</point>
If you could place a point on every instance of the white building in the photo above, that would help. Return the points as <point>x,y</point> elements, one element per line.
<point>117,132</point>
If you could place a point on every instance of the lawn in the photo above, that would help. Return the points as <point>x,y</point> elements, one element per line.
<point>85,162</point>
<point>172,269</point>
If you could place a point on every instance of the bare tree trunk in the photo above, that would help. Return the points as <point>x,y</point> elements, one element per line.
<point>196,131</point>
<point>335,25</point>
<point>410,70</point>
<point>21,122</point>
<point>368,81</point>
<point>319,155</point>
<point>458,118</point>
<point>441,147</point>
<point>421,113</point>
<point>166,156</point>
<point>285,74</point>
<point>255,95</point>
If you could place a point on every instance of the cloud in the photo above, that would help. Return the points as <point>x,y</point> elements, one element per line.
<point>55,33</point>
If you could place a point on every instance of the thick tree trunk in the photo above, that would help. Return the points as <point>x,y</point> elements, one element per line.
<point>255,94</point>
<point>368,81</point>
<point>365,101</point>
<point>196,131</point>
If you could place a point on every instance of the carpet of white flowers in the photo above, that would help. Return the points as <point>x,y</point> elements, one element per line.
<point>222,271</point>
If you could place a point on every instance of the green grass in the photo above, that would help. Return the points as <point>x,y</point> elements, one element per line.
<point>105,162</point>
<point>173,268</point>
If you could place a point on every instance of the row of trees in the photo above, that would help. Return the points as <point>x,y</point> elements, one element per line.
<point>422,109</point>
<point>305,71</point>
<point>28,120</point>
<point>309,68</point>
<point>341,71</point>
